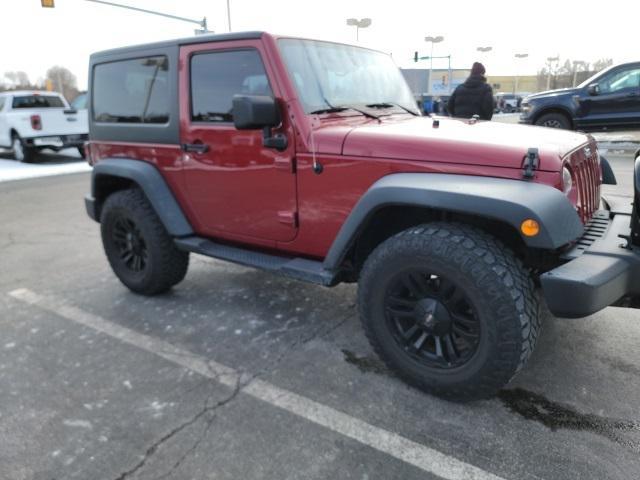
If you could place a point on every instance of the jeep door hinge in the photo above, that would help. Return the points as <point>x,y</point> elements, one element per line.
<point>531,163</point>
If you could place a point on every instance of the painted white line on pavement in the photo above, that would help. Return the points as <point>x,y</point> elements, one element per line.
<point>392,444</point>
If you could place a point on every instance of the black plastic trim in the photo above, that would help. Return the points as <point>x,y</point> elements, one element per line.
<point>150,180</point>
<point>509,201</point>
<point>143,48</point>
<point>608,177</point>
<point>297,268</point>
<point>597,278</point>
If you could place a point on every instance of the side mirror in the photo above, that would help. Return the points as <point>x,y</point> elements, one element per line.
<point>253,112</point>
<point>593,89</point>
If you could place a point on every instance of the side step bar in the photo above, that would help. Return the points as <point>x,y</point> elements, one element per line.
<point>297,268</point>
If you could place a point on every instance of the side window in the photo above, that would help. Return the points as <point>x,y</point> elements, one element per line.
<point>132,91</point>
<point>217,76</point>
<point>620,80</point>
<point>80,102</point>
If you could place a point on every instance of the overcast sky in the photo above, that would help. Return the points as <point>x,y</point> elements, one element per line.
<point>34,38</point>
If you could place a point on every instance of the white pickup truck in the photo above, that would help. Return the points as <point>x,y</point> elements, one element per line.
<point>34,120</point>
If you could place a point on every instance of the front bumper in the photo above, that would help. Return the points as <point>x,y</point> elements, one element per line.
<point>603,267</point>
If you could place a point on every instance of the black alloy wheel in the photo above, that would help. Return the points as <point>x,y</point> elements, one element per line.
<point>432,319</point>
<point>130,243</point>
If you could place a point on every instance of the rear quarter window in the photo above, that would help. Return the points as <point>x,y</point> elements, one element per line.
<point>37,101</point>
<point>132,91</point>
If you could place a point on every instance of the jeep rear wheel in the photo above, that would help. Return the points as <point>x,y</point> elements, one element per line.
<point>554,120</point>
<point>139,249</point>
<point>450,309</point>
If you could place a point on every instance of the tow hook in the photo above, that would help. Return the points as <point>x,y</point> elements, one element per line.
<point>628,245</point>
<point>531,162</point>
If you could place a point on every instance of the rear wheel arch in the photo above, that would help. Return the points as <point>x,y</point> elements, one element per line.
<point>112,175</point>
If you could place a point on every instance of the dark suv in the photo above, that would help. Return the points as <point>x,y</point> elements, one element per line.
<point>309,159</point>
<point>609,99</point>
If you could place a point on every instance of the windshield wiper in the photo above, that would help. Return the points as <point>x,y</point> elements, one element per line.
<point>342,108</point>
<point>390,105</point>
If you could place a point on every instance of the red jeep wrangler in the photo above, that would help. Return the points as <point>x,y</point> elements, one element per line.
<point>310,159</point>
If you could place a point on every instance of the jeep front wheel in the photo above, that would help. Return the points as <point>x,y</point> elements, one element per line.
<point>139,249</point>
<point>450,309</point>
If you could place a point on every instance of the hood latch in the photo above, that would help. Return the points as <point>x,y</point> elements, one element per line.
<point>531,163</point>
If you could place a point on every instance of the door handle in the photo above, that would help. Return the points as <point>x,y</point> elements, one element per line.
<point>195,147</point>
<point>632,94</point>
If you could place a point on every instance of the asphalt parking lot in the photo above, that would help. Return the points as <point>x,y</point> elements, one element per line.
<point>237,374</point>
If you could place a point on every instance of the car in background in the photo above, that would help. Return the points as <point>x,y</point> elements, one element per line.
<point>507,102</point>
<point>34,120</point>
<point>609,99</point>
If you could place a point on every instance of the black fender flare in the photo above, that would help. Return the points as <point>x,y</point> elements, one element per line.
<point>608,177</point>
<point>506,200</point>
<point>152,183</point>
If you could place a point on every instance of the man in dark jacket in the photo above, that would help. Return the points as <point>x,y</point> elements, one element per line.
<point>473,97</point>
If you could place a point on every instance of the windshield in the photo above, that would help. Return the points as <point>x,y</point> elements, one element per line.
<point>593,78</point>
<point>328,75</point>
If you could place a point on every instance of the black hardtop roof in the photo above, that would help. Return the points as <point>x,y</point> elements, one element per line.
<point>214,37</point>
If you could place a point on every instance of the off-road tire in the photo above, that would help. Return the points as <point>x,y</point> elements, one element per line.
<point>165,265</point>
<point>554,120</point>
<point>21,152</point>
<point>497,285</point>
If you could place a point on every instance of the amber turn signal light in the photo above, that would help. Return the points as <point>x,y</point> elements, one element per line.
<point>530,228</point>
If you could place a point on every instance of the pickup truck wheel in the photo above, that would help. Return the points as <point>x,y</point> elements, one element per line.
<point>450,309</point>
<point>21,152</point>
<point>554,120</point>
<point>139,249</point>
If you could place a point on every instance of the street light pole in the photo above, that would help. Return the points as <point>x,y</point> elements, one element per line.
<point>551,59</point>
<point>515,85</point>
<point>202,23</point>
<point>229,16</point>
<point>433,40</point>
<point>362,23</point>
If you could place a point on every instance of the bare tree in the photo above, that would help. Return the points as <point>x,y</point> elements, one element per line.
<point>602,64</point>
<point>17,79</point>
<point>63,81</point>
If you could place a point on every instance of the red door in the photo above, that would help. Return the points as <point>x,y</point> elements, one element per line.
<point>238,189</point>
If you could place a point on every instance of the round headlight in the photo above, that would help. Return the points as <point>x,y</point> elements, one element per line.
<point>567,181</point>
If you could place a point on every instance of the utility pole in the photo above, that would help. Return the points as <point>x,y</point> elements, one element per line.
<point>229,15</point>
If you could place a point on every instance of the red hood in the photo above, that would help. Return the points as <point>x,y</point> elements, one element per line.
<point>454,141</point>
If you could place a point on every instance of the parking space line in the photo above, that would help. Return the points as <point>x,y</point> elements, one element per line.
<point>401,448</point>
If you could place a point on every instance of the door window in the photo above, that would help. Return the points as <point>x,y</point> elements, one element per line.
<point>620,80</point>
<point>217,76</point>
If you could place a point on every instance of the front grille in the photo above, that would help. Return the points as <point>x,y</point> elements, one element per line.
<point>586,174</point>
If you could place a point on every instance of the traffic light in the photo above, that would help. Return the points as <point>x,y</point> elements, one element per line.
<point>415,57</point>
<point>48,3</point>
